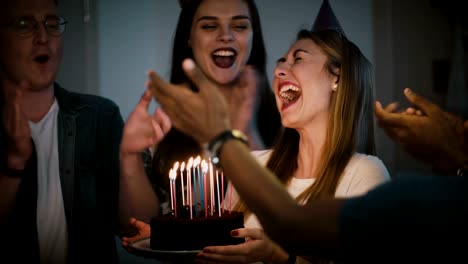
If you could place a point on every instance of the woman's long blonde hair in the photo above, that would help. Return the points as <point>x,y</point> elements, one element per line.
<point>350,122</point>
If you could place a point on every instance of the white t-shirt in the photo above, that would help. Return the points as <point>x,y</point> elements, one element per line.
<point>362,173</point>
<point>51,222</point>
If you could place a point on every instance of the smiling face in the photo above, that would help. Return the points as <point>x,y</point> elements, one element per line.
<point>34,59</point>
<point>221,38</point>
<point>303,85</point>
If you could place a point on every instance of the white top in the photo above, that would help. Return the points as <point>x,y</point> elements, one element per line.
<point>362,173</point>
<point>51,222</point>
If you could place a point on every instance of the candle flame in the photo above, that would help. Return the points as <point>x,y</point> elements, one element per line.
<point>182,167</point>
<point>172,174</point>
<point>196,162</point>
<point>190,163</point>
<point>204,166</point>
<point>176,165</point>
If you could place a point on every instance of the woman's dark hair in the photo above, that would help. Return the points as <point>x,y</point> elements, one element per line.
<point>177,146</point>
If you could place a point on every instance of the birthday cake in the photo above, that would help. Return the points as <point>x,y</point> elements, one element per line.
<point>185,233</point>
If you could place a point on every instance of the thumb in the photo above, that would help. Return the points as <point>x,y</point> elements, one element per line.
<point>252,233</point>
<point>145,99</point>
<point>425,105</point>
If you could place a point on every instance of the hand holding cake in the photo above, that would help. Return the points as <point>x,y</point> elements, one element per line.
<point>258,248</point>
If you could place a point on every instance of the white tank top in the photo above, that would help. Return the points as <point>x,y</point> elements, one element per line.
<point>51,222</point>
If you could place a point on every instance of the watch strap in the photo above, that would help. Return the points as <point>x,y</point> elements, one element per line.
<point>215,146</point>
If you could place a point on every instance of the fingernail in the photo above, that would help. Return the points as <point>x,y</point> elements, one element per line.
<point>408,91</point>
<point>206,250</point>
<point>188,64</point>
<point>234,233</point>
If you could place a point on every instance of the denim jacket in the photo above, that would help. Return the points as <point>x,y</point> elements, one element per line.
<point>89,134</point>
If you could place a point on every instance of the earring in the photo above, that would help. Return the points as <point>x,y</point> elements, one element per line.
<point>334,87</point>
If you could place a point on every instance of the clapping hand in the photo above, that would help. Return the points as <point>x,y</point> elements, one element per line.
<point>426,132</point>
<point>15,124</point>
<point>242,103</point>
<point>143,130</point>
<point>203,114</point>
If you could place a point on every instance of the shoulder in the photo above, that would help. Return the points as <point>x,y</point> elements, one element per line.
<point>262,156</point>
<point>363,162</point>
<point>75,101</point>
<point>362,173</point>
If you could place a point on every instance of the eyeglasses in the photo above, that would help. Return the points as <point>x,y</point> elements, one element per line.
<point>28,26</point>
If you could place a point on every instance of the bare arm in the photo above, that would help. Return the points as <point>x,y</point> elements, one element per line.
<point>141,131</point>
<point>302,230</point>
<point>8,190</point>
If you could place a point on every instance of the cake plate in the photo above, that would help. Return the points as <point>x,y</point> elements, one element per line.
<point>142,248</point>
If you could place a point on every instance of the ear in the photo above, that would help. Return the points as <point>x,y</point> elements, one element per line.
<point>189,43</point>
<point>335,79</point>
<point>334,87</point>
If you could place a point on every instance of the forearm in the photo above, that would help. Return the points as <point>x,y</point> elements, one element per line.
<point>137,198</point>
<point>449,162</point>
<point>8,190</point>
<point>300,230</point>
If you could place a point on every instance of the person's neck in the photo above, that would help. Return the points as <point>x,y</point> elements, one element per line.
<point>36,104</point>
<point>311,143</point>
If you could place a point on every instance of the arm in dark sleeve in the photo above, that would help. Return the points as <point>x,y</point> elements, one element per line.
<point>423,217</point>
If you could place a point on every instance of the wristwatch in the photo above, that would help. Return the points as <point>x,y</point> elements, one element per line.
<point>214,147</point>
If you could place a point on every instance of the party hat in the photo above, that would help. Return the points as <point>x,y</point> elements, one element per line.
<point>326,19</point>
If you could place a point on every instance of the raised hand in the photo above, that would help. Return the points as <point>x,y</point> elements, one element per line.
<point>143,231</point>
<point>257,248</point>
<point>202,115</point>
<point>431,135</point>
<point>241,99</point>
<point>16,127</point>
<point>143,130</point>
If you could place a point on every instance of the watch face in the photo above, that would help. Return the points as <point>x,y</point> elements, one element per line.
<point>239,134</point>
<point>215,160</point>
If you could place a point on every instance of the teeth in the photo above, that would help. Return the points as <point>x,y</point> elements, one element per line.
<point>223,53</point>
<point>287,97</point>
<point>288,88</point>
<point>289,92</point>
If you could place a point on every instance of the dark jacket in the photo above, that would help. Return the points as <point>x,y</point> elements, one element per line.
<point>89,134</point>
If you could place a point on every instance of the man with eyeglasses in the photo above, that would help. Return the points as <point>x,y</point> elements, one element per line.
<point>59,151</point>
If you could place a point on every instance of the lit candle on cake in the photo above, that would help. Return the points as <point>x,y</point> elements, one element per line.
<point>173,186</point>
<point>196,168</point>
<point>222,191</point>
<point>230,198</point>
<point>204,166</point>
<point>170,187</point>
<point>217,188</point>
<point>189,188</point>
<point>173,176</point>
<point>211,189</point>
<point>182,189</point>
